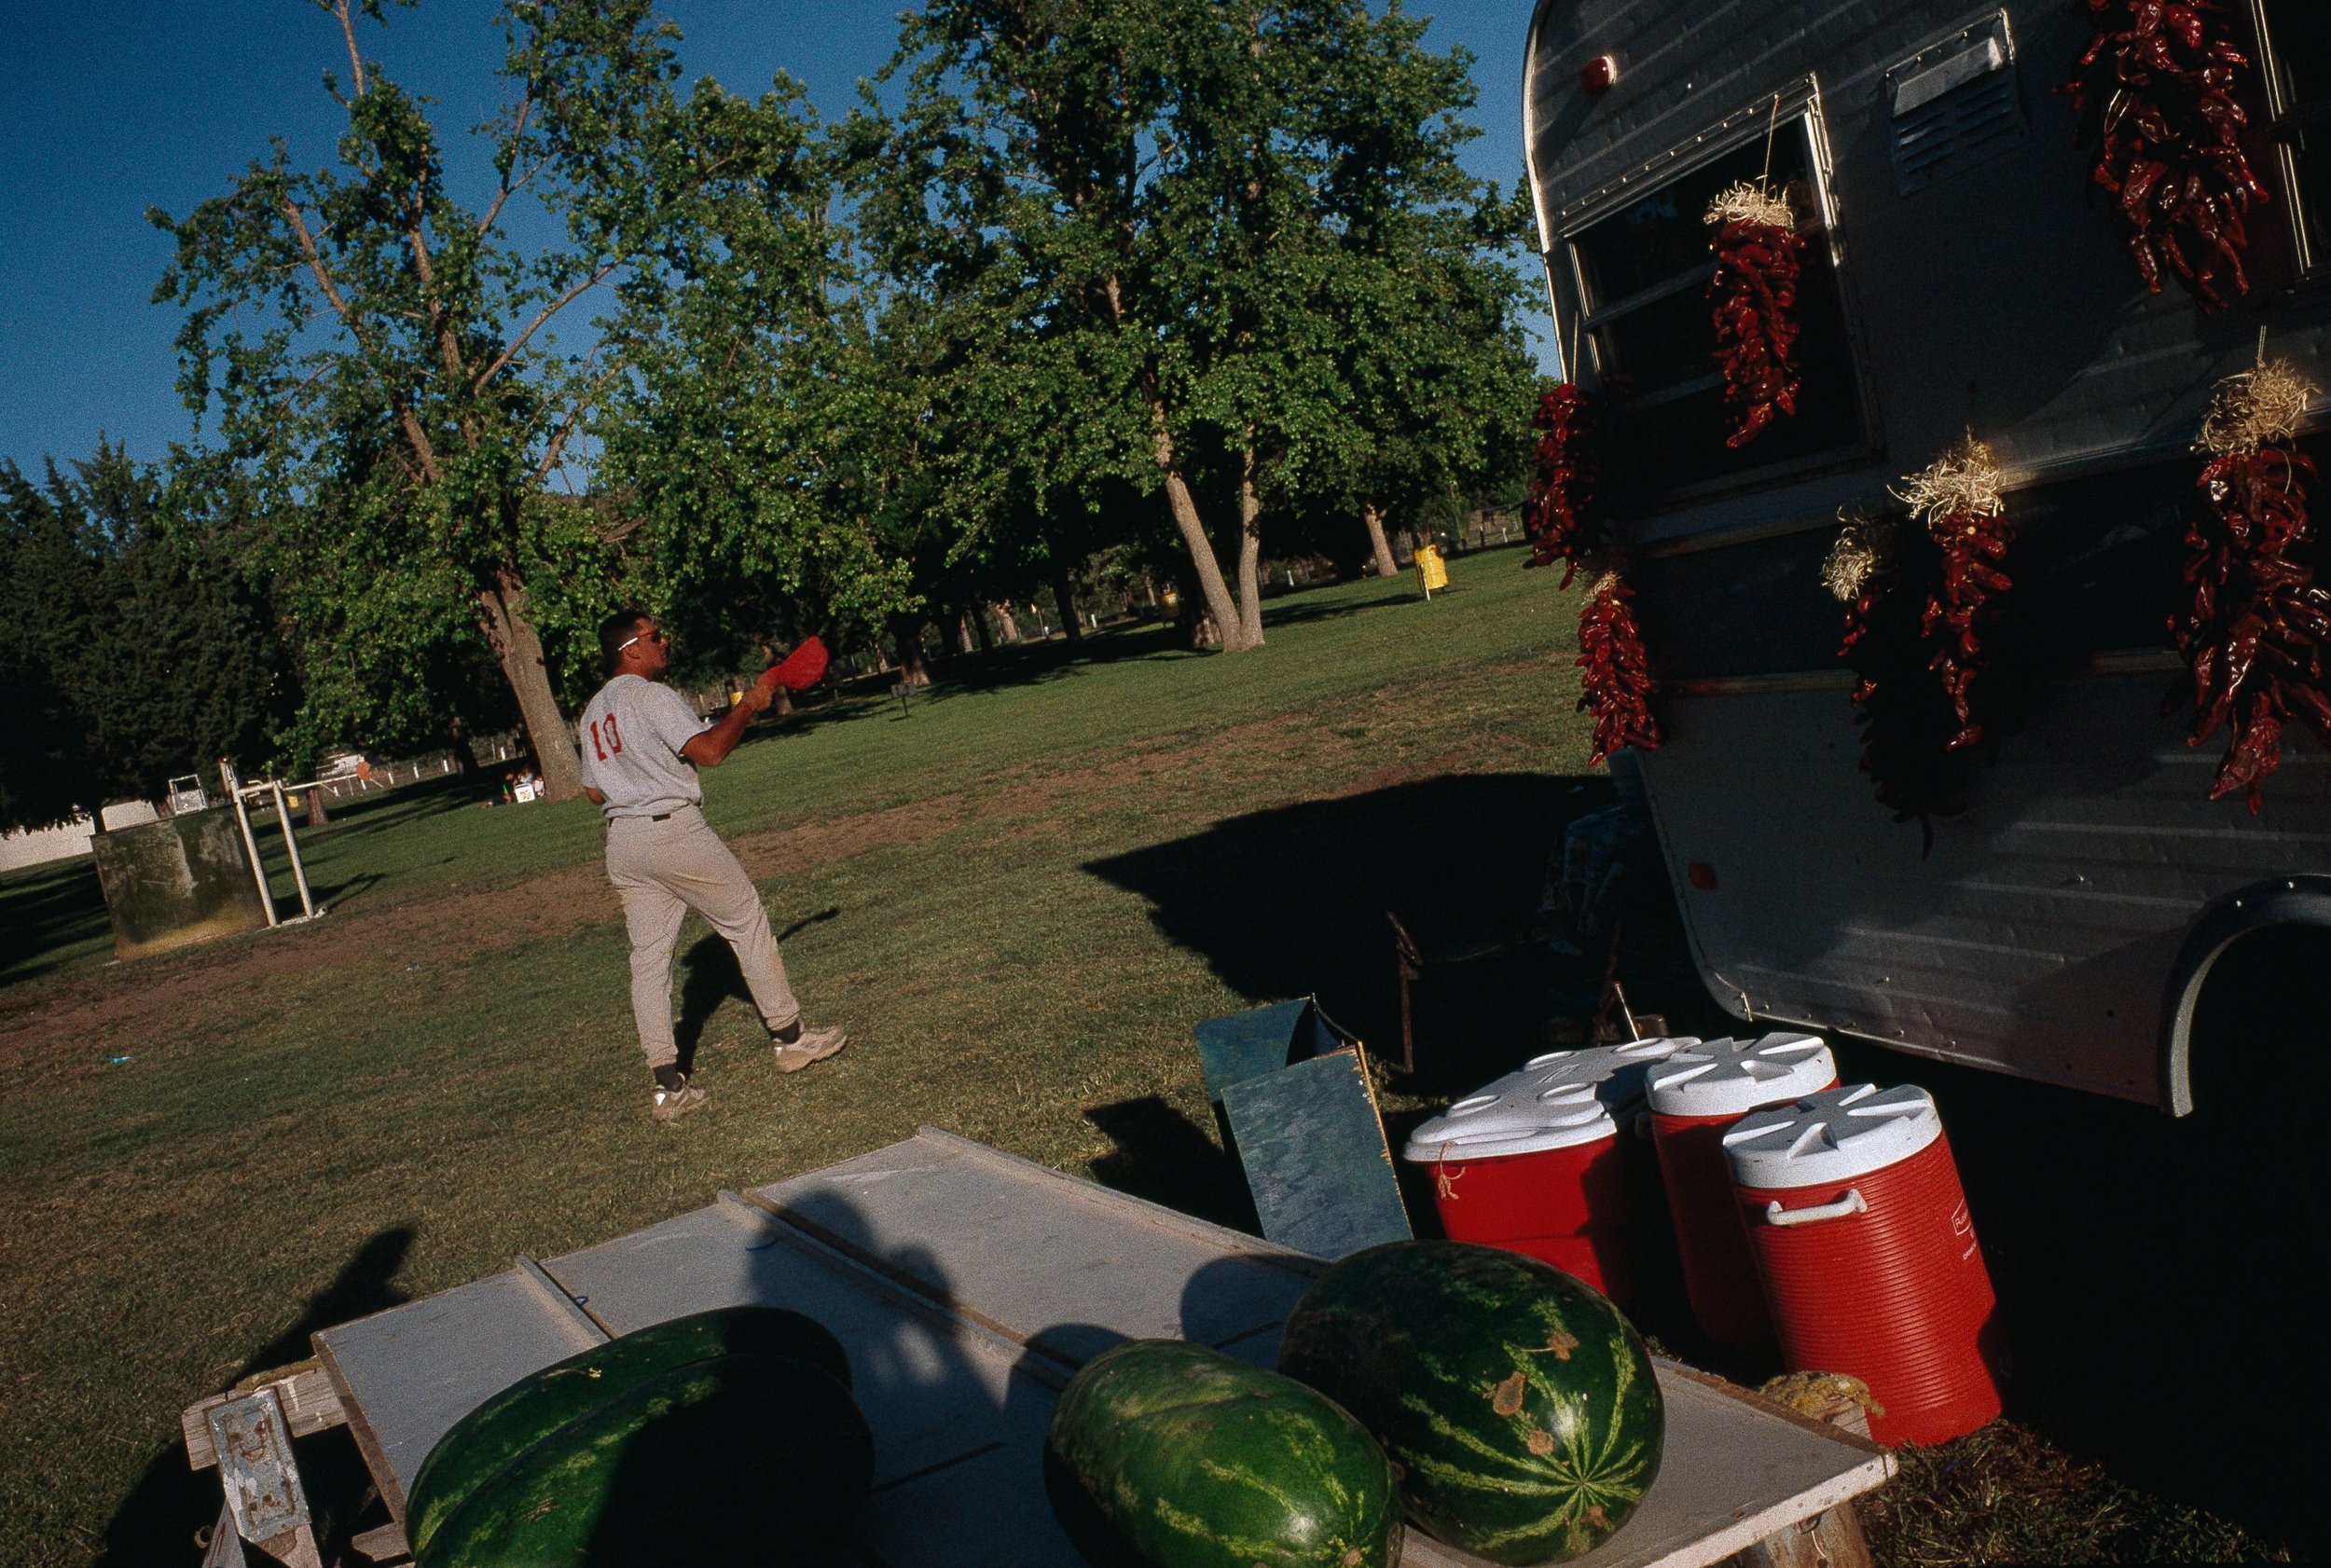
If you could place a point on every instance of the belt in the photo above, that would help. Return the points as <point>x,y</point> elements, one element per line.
<point>662,816</point>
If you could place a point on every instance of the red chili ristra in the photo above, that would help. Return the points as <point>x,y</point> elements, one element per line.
<point>1561,515</point>
<point>2160,77</point>
<point>1753,292</point>
<point>1960,609</point>
<point>1905,720</point>
<point>2256,637</point>
<point>1616,678</point>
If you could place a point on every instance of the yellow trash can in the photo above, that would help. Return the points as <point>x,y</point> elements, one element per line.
<point>1431,571</point>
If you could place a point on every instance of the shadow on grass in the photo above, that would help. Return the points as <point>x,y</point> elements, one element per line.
<point>47,910</point>
<point>1291,901</point>
<point>159,1522</point>
<point>375,811</point>
<point>1167,1158</point>
<point>1056,658</point>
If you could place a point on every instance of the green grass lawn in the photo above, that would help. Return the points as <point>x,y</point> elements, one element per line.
<point>1018,897</point>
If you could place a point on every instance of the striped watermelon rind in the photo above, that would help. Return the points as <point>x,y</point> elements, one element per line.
<point>1519,1406</point>
<point>1164,1455</point>
<point>497,1432</point>
<point>739,1459</point>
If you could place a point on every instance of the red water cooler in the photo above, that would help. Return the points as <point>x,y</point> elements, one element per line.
<point>1869,1262</point>
<point>1537,1163</point>
<point>1694,1096</point>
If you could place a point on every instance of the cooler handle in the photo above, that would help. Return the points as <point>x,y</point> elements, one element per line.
<point>1852,1203</point>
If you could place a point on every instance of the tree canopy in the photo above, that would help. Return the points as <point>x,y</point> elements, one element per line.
<point>1076,280</point>
<point>131,652</point>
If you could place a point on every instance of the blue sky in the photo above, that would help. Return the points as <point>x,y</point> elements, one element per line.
<point>106,110</point>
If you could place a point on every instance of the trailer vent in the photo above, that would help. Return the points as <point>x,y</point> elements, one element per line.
<point>1955,104</point>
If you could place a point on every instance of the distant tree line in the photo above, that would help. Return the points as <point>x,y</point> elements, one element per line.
<point>1147,291</point>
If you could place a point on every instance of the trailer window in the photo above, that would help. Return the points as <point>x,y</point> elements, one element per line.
<point>2296,39</point>
<point>1643,273</point>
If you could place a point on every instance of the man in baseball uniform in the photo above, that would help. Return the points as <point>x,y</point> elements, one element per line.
<point>641,747</point>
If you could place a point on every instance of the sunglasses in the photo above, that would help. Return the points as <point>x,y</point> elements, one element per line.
<point>653,634</point>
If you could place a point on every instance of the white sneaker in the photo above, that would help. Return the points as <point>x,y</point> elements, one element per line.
<point>672,1104</point>
<point>814,1045</point>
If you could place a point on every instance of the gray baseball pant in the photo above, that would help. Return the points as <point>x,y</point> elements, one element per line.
<point>662,869</point>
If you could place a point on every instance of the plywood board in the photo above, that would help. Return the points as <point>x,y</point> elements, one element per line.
<point>1315,1158</point>
<point>931,1384</point>
<point>404,1376</point>
<point>966,1285</point>
<point>1238,1046</point>
<point>1065,1265</point>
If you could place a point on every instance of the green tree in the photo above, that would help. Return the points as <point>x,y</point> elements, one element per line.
<point>1181,209</point>
<point>132,652</point>
<point>378,366</point>
<point>748,446</point>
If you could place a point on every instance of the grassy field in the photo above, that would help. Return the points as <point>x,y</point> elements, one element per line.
<point>1018,897</point>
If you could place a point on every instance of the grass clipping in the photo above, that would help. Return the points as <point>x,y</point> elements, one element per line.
<point>2257,408</point>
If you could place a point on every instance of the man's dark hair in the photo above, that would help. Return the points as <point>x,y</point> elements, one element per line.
<point>617,630</point>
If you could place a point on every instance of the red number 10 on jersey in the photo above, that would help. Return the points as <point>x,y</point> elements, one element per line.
<point>612,745</point>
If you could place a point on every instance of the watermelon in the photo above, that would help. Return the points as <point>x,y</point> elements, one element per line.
<point>1163,1455</point>
<point>717,1464</point>
<point>531,1410</point>
<point>1518,1406</point>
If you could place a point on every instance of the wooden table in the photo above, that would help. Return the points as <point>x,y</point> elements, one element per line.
<point>969,1286</point>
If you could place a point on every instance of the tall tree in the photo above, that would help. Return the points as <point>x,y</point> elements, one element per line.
<point>378,358</point>
<point>1163,198</point>
<point>751,446</point>
<point>1439,382</point>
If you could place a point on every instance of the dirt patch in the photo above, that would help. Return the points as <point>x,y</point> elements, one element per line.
<point>157,992</point>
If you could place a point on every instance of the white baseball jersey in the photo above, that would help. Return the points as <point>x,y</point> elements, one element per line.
<point>632,733</point>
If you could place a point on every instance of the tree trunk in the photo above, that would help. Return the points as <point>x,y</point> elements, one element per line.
<point>1003,615</point>
<point>908,633</point>
<point>978,619</point>
<point>1382,548</point>
<point>1184,508</point>
<point>1249,553</point>
<point>317,814</point>
<point>1064,594</point>
<point>519,649</point>
<point>465,749</point>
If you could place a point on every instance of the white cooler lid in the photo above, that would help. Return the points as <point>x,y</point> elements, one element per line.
<point>1514,1115</point>
<point>1735,1077</point>
<point>1831,1136</point>
<point>1559,1100</point>
<point>1616,1071</point>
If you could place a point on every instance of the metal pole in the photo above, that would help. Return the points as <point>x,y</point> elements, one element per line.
<point>291,847</point>
<point>250,839</point>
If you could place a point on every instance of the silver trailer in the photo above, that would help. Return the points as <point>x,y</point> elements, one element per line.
<point>1962,272</point>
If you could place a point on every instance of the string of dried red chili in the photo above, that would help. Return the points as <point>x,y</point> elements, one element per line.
<point>1562,515</point>
<point>1905,722</point>
<point>1958,498</point>
<point>2256,636</point>
<point>1754,297</point>
<point>2157,83</point>
<point>1615,680</point>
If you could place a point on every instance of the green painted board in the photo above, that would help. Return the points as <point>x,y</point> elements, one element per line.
<point>1243,1045</point>
<point>1315,1157</point>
